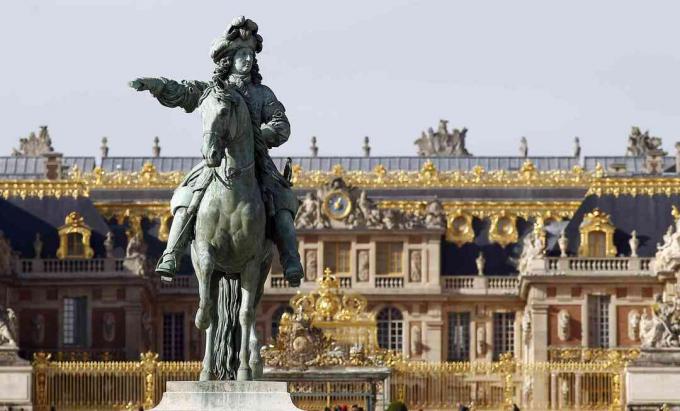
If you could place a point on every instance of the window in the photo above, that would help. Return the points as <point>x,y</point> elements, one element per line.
<point>74,322</point>
<point>390,329</point>
<point>74,245</point>
<point>173,336</point>
<point>336,256</point>
<point>598,321</point>
<point>276,319</point>
<point>597,244</point>
<point>503,334</point>
<point>459,337</point>
<point>388,256</point>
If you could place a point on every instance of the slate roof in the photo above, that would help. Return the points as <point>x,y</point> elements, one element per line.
<point>650,216</point>
<point>34,167</point>
<point>634,165</point>
<point>21,219</point>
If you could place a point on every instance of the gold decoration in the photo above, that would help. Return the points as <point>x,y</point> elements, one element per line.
<point>486,209</point>
<point>675,213</point>
<point>74,224</point>
<point>340,315</point>
<point>503,229</point>
<point>42,189</point>
<point>135,212</point>
<point>590,355</point>
<point>637,186</point>
<point>429,176</point>
<point>459,228</point>
<point>148,177</point>
<point>597,221</point>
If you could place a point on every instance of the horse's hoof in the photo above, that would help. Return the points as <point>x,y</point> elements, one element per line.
<point>244,374</point>
<point>205,376</point>
<point>202,319</point>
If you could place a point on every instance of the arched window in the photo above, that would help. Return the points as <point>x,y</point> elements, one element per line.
<point>276,319</point>
<point>390,329</point>
<point>74,245</point>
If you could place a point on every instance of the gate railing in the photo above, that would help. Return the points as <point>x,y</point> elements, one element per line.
<point>563,385</point>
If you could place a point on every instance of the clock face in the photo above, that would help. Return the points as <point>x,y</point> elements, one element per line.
<point>337,205</point>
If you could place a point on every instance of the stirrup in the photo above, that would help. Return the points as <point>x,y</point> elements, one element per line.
<point>167,273</point>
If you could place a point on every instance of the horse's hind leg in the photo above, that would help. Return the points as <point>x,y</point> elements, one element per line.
<point>249,286</point>
<point>209,355</point>
<point>204,264</point>
<point>255,362</point>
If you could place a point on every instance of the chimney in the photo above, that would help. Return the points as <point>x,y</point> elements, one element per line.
<point>366,147</point>
<point>156,149</point>
<point>314,148</point>
<point>104,148</point>
<point>53,165</point>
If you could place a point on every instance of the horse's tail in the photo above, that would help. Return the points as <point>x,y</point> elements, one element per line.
<point>227,341</point>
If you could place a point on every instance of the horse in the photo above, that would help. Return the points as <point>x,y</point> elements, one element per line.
<point>230,251</point>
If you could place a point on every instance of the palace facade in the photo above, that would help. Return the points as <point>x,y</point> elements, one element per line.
<point>460,257</point>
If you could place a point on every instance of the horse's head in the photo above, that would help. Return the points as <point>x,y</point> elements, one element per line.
<point>217,108</point>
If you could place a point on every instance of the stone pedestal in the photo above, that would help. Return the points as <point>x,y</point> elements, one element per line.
<point>15,381</point>
<point>653,380</point>
<point>226,396</point>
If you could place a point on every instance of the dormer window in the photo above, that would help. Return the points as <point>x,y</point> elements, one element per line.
<point>74,238</point>
<point>597,235</point>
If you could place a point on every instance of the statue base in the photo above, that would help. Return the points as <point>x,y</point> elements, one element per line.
<point>652,380</point>
<point>16,376</point>
<point>226,396</point>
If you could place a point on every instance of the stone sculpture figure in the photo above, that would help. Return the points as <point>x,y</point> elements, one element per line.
<point>416,267</point>
<point>532,249</point>
<point>34,146</point>
<point>310,265</point>
<point>229,198</point>
<point>109,245</point>
<point>480,261</point>
<point>236,69</point>
<point>37,246</point>
<point>667,257</point>
<point>661,329</point>
<point>435,217</point>
<point>135,255</point>
<point>416,340</point>
<point>109,327</point>
<point>634,243</point>
<point>8,328</point>
<point>641,144</point>
<point>481,341</point>
<point>563,325</point>
<point>563,243</point>
<point>634,319</point>
<point>364,265</point>
<point>443,143</point>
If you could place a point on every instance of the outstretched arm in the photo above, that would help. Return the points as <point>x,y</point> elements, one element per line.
<point>171,93</point>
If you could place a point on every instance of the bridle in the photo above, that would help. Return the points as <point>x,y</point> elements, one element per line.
<point>231,173</point>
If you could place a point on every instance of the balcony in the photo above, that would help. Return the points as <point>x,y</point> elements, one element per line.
<point>389,281</point>
<point>480,285</point>
<point>588,266</point>
<point>52,267</point>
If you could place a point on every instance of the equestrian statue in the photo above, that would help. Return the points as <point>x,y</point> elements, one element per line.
<point>234,204</point>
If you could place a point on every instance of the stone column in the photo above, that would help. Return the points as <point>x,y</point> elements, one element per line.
<point>539,352</point>
<point>133,325</point>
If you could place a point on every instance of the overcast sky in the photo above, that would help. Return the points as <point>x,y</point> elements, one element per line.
<point>346,69</point>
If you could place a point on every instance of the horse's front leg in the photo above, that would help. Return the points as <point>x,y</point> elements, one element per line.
<point>209,356</point>
<point>246,316</point>
<point>204,264</point>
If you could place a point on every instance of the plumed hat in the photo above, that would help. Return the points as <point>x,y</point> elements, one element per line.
<point>241,33</point>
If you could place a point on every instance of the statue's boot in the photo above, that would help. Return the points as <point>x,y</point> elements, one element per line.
<point>286,242</point>
<point>178,239</point>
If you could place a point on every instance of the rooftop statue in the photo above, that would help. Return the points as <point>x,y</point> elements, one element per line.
<point>34,146</point>
<point>641,144</point>
<point>233,204</point>
<point>442,143</point>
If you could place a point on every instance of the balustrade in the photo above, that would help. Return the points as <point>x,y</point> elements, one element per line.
<point>389,282</point>
<point>53,265</point>
<point>590,265</point>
